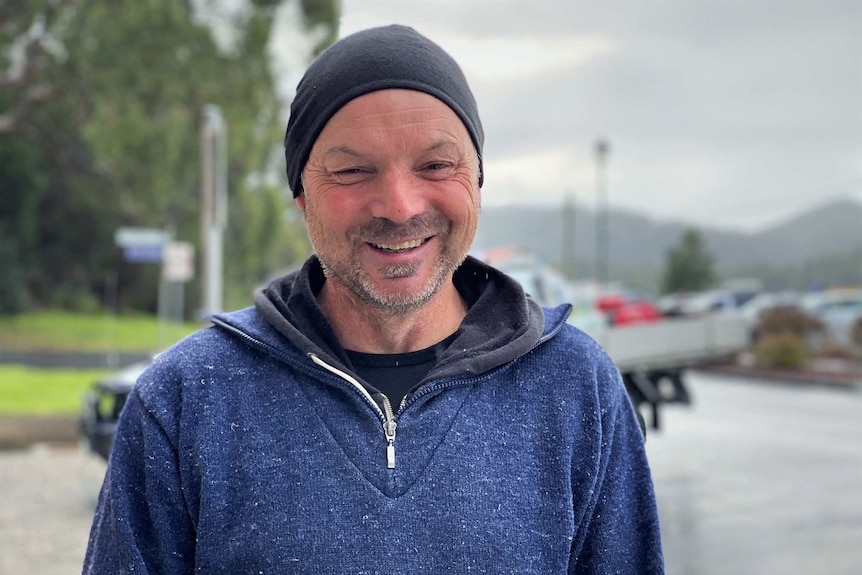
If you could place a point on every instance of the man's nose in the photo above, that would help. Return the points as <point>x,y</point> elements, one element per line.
<point>398,196</point>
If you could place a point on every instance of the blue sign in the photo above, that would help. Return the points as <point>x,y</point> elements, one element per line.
<point>143,253</point>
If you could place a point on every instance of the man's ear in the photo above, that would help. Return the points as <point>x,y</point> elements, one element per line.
<point>300,202</point>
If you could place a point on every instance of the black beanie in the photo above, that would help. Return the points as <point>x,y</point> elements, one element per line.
<point>374,59</point>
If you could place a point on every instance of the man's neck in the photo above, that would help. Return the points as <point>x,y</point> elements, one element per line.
<point>360,327</point>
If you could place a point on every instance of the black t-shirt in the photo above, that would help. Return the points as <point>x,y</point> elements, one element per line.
<point>395,374</point>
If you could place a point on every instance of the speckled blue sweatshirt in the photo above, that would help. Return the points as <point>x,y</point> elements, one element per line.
<point>252,447</point>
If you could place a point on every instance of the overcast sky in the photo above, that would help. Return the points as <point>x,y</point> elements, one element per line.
<point>727,113</point>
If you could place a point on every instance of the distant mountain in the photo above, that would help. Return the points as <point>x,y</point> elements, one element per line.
<point>638,244</point>
<point>833,228</point>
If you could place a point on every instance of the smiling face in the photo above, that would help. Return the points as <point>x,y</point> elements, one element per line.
<point>391,199</point>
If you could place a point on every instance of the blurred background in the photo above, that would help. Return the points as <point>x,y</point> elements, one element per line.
<point>667,167</point>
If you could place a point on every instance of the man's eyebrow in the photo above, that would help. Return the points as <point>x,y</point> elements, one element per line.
<point>342,150</point>
<point>441,145</point>
<point>348,151</point>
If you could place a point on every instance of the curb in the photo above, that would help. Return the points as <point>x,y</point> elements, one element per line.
<point>842,380</point>
<point>20,432</point>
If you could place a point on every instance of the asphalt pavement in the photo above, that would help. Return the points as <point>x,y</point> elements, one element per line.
<point>753,478</point>
<point>761,478</point>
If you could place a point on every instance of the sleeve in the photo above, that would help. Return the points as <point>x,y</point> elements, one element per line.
<point>141,523</point>
<point>622,533</point>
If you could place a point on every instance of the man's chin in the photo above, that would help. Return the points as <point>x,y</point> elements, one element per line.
<point>400,299</point>
<point>400,302</point>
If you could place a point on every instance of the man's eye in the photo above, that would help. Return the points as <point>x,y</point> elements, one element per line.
<point>350,175</point>
<point>438,170</point>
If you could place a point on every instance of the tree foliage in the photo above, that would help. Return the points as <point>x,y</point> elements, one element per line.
<point>688,265</point>
<point>781,351</point>
<point>100,116</point>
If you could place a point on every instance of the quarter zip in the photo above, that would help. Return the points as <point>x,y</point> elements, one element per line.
<point>387,417</point>
<point>382,408</point>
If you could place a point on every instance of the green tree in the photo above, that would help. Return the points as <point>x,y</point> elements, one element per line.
<point>688,265</point>
<point>100,112</point>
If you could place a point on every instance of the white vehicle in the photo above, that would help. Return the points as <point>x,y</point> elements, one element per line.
<point>651,357</point>
<point>838,309</point>
<point>712,301</point>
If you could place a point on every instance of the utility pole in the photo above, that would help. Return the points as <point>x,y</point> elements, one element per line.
<point>602,149</point>
<point>569,231</point>
<point>213,208</point>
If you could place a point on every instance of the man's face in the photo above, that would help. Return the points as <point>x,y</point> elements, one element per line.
<point>391,198</point>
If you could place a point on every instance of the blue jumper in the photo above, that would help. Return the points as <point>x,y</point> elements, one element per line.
<point>245,450</point>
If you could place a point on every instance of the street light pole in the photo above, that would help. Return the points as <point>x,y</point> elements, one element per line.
<point>213,208</point>
<point>602,149</point>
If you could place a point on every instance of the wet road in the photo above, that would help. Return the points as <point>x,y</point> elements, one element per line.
<point>761,479</point>
<point>753,479</point>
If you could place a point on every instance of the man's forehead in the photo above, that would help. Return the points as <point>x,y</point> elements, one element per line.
<point>422,118</point>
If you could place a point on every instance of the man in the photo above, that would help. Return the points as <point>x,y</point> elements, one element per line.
<point>394,406</point>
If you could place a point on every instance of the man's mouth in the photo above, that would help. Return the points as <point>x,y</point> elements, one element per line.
<point>399,247</point>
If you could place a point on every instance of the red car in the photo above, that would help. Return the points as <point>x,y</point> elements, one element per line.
<point>624,311</point>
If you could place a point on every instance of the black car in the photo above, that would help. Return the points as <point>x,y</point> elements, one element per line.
<point>102,405</point>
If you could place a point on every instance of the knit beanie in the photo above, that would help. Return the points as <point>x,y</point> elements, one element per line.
<point>374,59</point>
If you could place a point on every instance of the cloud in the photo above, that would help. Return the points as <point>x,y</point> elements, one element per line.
<point>720,113</point>
<point>541,175</point>
<point>504,60</point>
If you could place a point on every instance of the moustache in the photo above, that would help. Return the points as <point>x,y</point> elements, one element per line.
<point>383,230</point>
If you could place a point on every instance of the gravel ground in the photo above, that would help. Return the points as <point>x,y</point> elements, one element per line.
<point>47,496</point>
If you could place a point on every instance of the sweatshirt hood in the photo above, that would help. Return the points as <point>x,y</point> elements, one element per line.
<point>502,322</point>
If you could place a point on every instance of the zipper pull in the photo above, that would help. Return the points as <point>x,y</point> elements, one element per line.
<point>389,427</point>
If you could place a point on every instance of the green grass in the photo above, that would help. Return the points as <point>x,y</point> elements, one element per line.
<point>32,391</point>
<point>70,332</point>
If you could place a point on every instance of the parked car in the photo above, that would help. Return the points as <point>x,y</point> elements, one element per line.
<point>838,309</point>
<point>742,290</point>
<point>711,301</point>
<point>729,297</point>
<point>101,407</point>
<point>626,310</point>
<point>636,312</point>
<point>673,304</point>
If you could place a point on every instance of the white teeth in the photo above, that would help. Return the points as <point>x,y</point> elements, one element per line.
<point>398,247</point>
